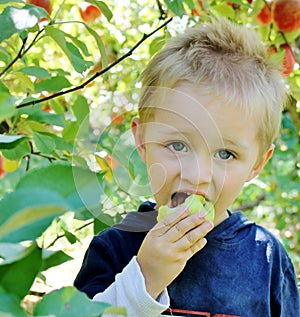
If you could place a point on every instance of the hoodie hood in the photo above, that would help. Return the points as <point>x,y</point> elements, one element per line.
<point>225,233</point>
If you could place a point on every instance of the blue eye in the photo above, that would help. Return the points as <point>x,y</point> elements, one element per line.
<point>224,155</point>
<point>177,146</point>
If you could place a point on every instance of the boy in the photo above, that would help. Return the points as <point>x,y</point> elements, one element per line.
<point>208,115</point>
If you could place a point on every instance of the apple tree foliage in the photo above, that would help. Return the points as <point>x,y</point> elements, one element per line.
<point>69,88</point>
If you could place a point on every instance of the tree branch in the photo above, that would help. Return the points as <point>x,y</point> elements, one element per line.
<point>250,205</point>
<point>106,69</point>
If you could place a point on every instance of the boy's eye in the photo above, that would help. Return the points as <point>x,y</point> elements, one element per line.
<point>224,155</point>
<point>177,147</point>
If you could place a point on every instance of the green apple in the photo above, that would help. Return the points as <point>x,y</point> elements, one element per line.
<point>195,203</point>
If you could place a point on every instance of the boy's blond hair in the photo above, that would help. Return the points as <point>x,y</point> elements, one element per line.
<point>226,60</point>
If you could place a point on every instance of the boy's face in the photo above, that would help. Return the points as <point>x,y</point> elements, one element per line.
<point>197,144</point>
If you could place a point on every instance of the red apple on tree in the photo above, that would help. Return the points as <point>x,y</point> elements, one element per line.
<point>286,15</point>
<point>288,60</point>
<point>88,11</point>
<point>265,16</point>
<point>46,4</point>
<point>2,172</point>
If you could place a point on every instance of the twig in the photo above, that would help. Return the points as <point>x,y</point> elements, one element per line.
<point>64,92</point>
<point>63,235</point>
<point>162,12</point>
<point>250,205</point>
<point>22,52</point>
<point>19,55</point>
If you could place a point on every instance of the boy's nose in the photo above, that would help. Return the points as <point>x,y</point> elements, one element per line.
<point>197,170</point>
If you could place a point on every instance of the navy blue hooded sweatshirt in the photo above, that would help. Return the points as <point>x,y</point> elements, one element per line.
<point>242,271</point>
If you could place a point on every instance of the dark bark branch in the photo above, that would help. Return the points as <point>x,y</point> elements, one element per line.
<point>250,205</point>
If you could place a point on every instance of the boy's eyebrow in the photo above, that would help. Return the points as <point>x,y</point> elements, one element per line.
<point>235,144</point>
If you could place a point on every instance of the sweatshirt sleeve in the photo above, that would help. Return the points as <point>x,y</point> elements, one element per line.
<point>129,291</point>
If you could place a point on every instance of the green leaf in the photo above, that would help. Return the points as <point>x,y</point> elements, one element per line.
<point>5,56</point>
<point>100,45</point>
<point>43,142</point>
<point>70,131</point>
<point>8,1</point>
<point>79,44</point>
<point>79,188</point>
<point>71,51</point>
<point>176,6</point>
<point>29,263</point>
<point>157,44</point>
<point>11,252</point>
<point>3,88</point>
<point>53,258</point>
<point>81,109</point>
<point>70,236</point>
<point>79,64</point>
<point>68,302</point>
<point>225,10</point>
<point>103,7</point>
<point>18,152</point>
<point>53,84</point>
<point>37,114</point>
<point>35,71</point>
<point>10,305</point>
<point>7,106</point>
<point>99,226</point>
<point>256,7</point>
<point>11,141</point>
<point>27,212</point>
<point>190,4</point>
<point>14,20</point>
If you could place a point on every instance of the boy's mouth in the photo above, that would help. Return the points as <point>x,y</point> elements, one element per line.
<point>179,198</point>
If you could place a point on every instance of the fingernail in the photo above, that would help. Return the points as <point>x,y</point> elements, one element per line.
<point>201,214</point>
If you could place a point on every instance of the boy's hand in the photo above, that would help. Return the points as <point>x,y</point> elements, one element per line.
<point>169,245</point>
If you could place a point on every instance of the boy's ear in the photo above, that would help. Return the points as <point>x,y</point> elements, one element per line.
<point>261,163</point>
<point>138,137</point>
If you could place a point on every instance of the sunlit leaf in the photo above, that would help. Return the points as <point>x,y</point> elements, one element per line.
<point>3,88</point>
<point>17,152</point>
<point>7,106</point>
<point>103,7</point>
<point>30,262</point>
<point>14,20</point>
<point>225,10</point>
<point>157,44</point>
<point>10,141</point>
<point>35,71</point>
<point>37,114</point>
<point>53,84</point>
<point>71,51</point>
<point>26,213</point>
<point>68,302</point>
<point>100,45</point>
<point>53,258</point>
<point>10,305</point>
<point>79,188</point>
<point>10,165</point>
<point>176,6</point>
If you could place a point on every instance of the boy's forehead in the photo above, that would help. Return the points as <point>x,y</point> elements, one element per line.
<point>184,106</point>
<point>189,112</point>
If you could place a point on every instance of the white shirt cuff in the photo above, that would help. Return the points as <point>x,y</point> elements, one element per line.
<point>129,291</point>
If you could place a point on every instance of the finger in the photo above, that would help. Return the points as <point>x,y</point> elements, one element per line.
<point>191,239</point>
<point>185,225</point>
<point>171,220</point>
<point>196,247</point>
